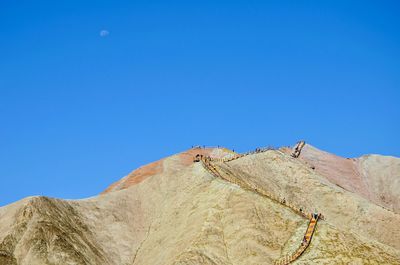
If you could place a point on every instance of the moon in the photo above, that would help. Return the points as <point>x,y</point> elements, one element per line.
<point>104,33</point>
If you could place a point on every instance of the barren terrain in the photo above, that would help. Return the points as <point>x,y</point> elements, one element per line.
<point>175,211</point>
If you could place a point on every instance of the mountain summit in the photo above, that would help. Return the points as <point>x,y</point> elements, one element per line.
<point>213,206</point>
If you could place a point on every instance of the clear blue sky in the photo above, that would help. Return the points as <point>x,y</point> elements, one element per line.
<point>78,110</point>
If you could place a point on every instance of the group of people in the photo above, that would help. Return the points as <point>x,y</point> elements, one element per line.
<point>200,157</point>
<point>197,158</point>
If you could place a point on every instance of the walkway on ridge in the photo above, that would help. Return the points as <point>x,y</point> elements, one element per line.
<point>314,217</point>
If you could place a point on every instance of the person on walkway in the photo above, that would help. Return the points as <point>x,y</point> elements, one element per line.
<point>304,241</point>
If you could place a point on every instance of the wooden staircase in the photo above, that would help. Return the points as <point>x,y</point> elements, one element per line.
<point>211,167</point>
<point>287,259</point>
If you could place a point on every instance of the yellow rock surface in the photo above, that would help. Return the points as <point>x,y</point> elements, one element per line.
<point>182,214</point>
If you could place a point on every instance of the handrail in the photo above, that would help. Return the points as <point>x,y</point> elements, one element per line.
<point>209,166</point>
<point>235,156</point>
<point>297,149</point>
<point>304,244</point>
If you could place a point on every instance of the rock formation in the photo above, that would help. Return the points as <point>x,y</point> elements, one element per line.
<point>246,209</point>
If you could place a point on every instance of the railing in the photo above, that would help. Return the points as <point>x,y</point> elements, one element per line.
<point>233,156</point>
<point>297,149</point>
<point>304,244</point>
<point>213,169</point>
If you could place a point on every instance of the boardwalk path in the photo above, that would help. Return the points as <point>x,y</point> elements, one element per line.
<point>208,164</point>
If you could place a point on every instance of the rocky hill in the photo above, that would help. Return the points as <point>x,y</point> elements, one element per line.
<point>271,206</point>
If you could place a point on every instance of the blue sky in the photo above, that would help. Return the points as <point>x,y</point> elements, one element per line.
<point>78,110</point>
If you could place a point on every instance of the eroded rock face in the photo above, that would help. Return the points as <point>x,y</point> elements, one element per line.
<point>374,177</point>
<point>167,166</point>
<point>48,231</point>
<point>175,212</point>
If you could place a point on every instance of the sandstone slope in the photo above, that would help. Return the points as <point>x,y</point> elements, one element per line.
<point>175,212</point>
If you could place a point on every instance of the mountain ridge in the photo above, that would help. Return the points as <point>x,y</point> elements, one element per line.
<point>176,212</point>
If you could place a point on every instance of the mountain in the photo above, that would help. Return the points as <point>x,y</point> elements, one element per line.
<point>299,205</point>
